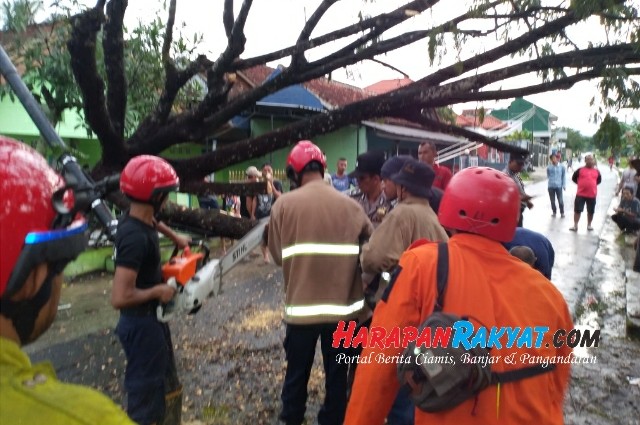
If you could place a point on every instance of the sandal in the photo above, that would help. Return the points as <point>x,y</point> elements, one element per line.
<point>573,229</point>
<point>589,228</point>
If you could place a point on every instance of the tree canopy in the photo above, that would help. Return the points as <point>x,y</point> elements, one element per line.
<point>533,35</point>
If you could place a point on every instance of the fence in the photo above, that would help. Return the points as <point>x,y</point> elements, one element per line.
<point>239,176</point>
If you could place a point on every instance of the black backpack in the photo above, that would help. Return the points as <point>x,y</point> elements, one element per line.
<point>437,384</point>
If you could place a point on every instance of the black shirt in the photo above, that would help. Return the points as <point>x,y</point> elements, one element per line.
<point>137,248</point>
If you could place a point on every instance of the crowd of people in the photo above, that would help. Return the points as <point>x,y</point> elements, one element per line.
<point>377,266</point>
<point>374,256</point>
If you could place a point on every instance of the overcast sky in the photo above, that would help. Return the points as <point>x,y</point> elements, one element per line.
<point>274,24</point>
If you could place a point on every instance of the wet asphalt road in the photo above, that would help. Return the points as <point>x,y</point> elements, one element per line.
<point>574,251</point>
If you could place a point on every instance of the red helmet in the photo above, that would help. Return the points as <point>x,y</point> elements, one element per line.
<point>481,200</point>
<point>302,154</point>
<point>27,185</point>
<point>145,176</point>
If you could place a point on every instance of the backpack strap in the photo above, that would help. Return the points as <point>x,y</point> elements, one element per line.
<point>522,373</point>
<point>442,274</point>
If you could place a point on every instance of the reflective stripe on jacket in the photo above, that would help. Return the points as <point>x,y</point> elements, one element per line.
<point>315,234</point>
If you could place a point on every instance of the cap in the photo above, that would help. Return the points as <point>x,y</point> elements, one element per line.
<point>393,165</point>
<point>253,172</point>
<point>417,177</point>
<point>368,163</point>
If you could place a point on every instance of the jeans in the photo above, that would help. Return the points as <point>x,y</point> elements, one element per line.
<point>556,192</point>
<point>403,410</point>
<point>300,348</point>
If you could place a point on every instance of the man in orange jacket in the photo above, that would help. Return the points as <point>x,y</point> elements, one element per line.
<point>480,208</point>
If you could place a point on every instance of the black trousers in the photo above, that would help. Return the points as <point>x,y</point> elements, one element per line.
<point>300,348</point>
<point>625,223</point>
<point>151,369</point>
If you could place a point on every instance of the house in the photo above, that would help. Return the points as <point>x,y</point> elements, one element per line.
<point>489,126</point>
<point>321,95</point>
<point>525,115</point>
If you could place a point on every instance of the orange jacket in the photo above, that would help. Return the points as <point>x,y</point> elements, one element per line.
<point>497,289</point>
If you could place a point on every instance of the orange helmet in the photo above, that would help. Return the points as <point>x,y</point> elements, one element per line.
<point>145,176</point>
<point>481,200</point>
<point>27,186</point>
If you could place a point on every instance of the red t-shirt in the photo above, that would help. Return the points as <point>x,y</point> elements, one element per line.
<point>443,175</point>
<point>588,181</point>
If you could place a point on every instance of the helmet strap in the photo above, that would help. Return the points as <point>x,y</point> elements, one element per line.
<point>156,202</point>
<point>24,313</point>
<point>294,177</point>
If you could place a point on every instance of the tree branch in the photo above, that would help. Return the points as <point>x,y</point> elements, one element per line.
<point>168,36</point>
<point>399,71</point>
<point>383,21</point>
<point>508,48</point>
<point>113,45</point>
<point>417,117</point>
<point>82,47</point>
<point>298,57</point>
<point>227,17</point>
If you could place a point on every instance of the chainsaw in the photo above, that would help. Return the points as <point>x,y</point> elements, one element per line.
<point>196,277</point>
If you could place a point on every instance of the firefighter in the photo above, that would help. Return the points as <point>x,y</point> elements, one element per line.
<point>33,257</point>
<point>315,234</point>
<point>480,208</point>
<point>138,289</point>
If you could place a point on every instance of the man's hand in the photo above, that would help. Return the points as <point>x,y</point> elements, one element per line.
<point>165,292</point>
<point>181,241</point>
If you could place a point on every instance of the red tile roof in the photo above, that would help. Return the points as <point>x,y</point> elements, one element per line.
<point>333,93</point>
<point>469,120</point>
<point>388,85</point>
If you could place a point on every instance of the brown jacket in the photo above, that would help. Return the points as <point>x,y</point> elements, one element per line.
<point>315,233</point>
<point>410,220</point>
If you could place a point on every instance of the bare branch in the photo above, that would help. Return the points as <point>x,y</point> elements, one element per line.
<point>227,17</point>
<point>168,35</point>
<point>381,22</point>
<point>82,47</point>
<point>404,74</point>
<point>298,57</point>
<point>113,45</point>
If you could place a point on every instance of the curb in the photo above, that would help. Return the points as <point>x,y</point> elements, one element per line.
<point>603,302</point>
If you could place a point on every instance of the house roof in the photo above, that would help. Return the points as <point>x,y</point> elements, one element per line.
<point>489,122</point>
<point>414,134</point>
<point>385,86</point>
<point>295,96</point>
<point>332,94</point>
<point>539,122</point>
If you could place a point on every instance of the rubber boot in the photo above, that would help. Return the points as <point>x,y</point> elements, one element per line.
<point>173,410</point>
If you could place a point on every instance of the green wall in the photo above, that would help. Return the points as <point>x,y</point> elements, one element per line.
<point>346,142</point>
<point>16,123</point>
